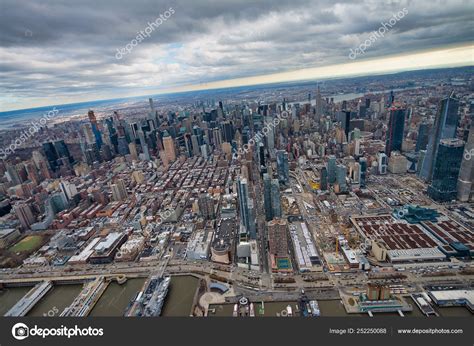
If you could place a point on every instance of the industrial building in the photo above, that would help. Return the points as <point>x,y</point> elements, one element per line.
<point>398,240</point>
<point>221,248</point>
<point>306,255</point>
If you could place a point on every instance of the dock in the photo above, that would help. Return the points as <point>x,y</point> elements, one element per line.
<point>423,305</point>
<point>86,300</point>
<point>25,304</point>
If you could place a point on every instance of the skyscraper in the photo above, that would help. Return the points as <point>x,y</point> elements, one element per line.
<point>332,169</point>
<point>283,167</point>
<point>396,127</point>
<point>275,198</point>
<point>423,136</point>
<point>13,175</point>
<point>95,128</point>
<point>319,104</point>
<point>445,126</point>
<point>252,231</point>
<point>363,171</point>
<point>383,162</point>
<point>324,179</point>
<point>267,196</point>
<point>63,151</point>
<point>443,187</point>
<point>119,190</point>
<point>51,155</point>
<point>227,131</point>
<point>341,174</point>
<point>24,214</point>
<point>466,173</point>
<point>168,144</point>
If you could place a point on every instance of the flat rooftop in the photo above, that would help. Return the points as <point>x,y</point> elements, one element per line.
<point>448,231</point>
<point>454,295</point>
<point>397,235</point>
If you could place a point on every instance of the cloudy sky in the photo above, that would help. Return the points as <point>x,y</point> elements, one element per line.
<point>54,52</point>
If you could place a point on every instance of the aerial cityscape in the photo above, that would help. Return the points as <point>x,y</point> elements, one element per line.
<point>340,197</point>
<point>328,193</point>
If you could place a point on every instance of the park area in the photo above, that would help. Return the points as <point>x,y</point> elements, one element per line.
<point>28,243</point>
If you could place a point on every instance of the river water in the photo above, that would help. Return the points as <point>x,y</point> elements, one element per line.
<point>178,302</point>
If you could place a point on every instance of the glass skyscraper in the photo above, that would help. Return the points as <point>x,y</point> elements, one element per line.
<point>443,186</point>
<point>445,126</point>
<point>282,167</point>
<point>332,169</point>
<point>396,127</point>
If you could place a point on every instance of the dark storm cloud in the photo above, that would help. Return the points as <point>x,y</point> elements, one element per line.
<point>61,48</point>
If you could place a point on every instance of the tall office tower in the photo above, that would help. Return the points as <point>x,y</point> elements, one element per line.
<point>51,156</point>
<point>332,169</point>
<point>168,144</point>
<point>267,196</point>
<point>63,151</point>
<point>270,134</point>
<point>278,237</point>
<point>32,172</point>
<point>319,104</point>
<point>25,214</point>
<point>206,206</point>
<point>144,145</point>
<point>38,158</point>
<point>152,113</point>
<point>391,99</point>
<point>423,136</point>
<point>68,189</point>
<point>443,187</point>
<point>275,198</point>
<point>346,122</point>
<point>382,160</point>
<point>445,127</point>
<point>227,131</point>
<point>216,138</point>
<point>466,173</point>
<point>113,135</point>
<point>132,148</point>
<point>396,127</point>
<point>261,155</point>
<point>12,175</point>
<point>119,190</point>
<point>357,147</point>
<point>355,173</point>
<point>283,167</point>
<point>252,231</point>
<point>105,152</point>
<point>243,195</point>
<point>204,151</point>
<point>341,174</point>
<point>122,146</point>
<point>88,134</point>
<point>95,128</point>
<point>363,172</point>
<point>195,145</point>
<point>324,179</point>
